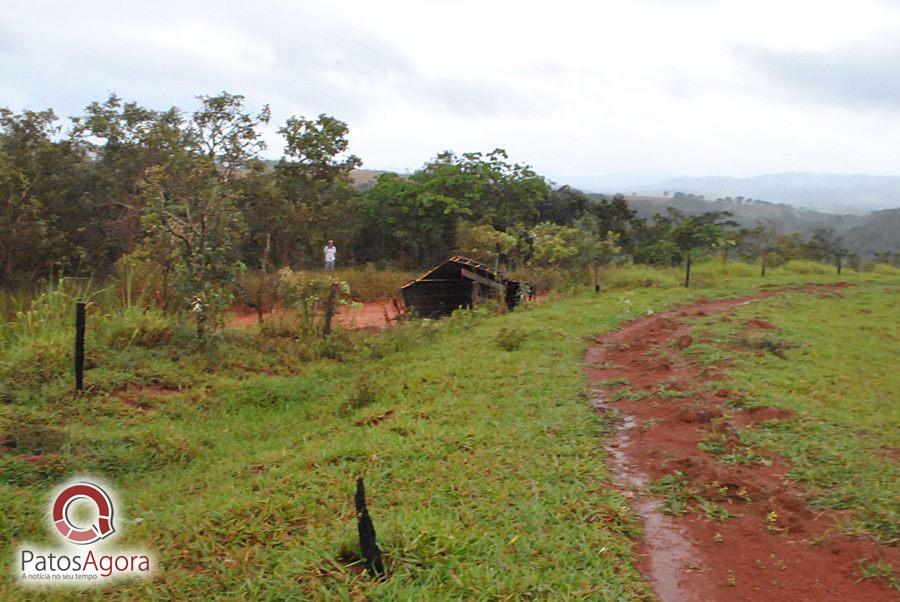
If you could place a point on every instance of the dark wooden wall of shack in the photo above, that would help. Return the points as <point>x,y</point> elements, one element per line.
<point>433,298</point>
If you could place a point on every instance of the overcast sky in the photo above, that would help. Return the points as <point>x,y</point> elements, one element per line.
<point>669,87</point>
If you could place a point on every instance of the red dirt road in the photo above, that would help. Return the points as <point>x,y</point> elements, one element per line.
<point>776,548</point>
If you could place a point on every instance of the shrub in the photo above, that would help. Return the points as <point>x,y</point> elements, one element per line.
<point>544,279</point>
<point>802,266</point>
<point>135,326</point>
<point>885,269</point>
<point>370,284</point>
<point>307,292</point>
<point>510,339</point>
<point>632,276</point>
<point>715,269</point>
<point>364,393</point>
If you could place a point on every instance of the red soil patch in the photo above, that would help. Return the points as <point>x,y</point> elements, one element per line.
<point>136,397</point>
<point>757,323</point>
<point>776,548</point>
<point>371,316</point>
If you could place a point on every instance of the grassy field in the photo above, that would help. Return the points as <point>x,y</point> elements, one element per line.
<point>235,465</point>
<point>839,373</point>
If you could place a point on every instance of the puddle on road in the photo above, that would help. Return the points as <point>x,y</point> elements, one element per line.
<point>667,546</point>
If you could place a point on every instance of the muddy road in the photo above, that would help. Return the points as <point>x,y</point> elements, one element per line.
<point>773,547</point>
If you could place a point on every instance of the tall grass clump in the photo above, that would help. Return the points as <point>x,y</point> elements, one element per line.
<point>36,345</point>
<point>371,284</point>
<point>805,267</point>
<point>885,269</point>
<point>639,276</point>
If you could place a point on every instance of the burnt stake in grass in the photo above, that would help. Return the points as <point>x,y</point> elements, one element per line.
<point>366,529</point>
<point>79,345</point>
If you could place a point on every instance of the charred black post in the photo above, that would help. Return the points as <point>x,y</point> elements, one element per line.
<point>366,530</point>
<point>79,345</point>
<point>687,271</point>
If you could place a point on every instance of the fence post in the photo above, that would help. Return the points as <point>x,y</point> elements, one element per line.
<point>366,529</point>
<point>79,345</point>
<point>329,308</point>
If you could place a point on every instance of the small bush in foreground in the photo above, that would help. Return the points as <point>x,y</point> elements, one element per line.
<point>510,339</point>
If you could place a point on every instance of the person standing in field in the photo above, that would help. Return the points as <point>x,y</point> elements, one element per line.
<point>330,255</point>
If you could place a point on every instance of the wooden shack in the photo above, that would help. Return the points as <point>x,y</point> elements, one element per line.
<point>458,282</point>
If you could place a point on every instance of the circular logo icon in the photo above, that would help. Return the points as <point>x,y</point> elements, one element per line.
<point>83,535</point>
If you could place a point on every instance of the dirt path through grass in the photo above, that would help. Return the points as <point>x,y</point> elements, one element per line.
<point>714,529</point>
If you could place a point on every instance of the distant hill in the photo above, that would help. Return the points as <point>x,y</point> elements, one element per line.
<point>879,231</point>
<point>865,234</point>
<point>363,179</point>
<point>785,217</point>
<point>832,193</point>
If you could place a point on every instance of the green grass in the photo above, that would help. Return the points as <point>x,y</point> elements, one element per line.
<point>842,381</point>
<point>483,461</point>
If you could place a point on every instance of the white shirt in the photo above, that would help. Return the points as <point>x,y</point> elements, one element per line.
<point>330,253</point>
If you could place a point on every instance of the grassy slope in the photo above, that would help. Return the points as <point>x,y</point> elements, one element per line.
<point>844,384</point>
<point>484,469</point>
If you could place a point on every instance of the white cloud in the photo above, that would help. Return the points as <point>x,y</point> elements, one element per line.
<point>572,87</point>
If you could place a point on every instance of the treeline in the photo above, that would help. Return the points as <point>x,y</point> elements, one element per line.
<point>186,196</point>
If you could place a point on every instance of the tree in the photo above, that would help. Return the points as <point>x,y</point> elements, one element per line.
<point>126,140</point>
<point>555,245</point>
<point>827,245</point>
<point>613,215</point>
<point>483,242</point>
<point>761,242</point>
<point>505,193</point>
<point>314,178</point>
<point>192,212</point>
<point>416,217</point>
<point>603,245</point>
<point>650,242</point>
<point>226,133</point>
<point>45,208</point>
<point>563,206</point>
<point>398,222</point>
<point>697,232</point>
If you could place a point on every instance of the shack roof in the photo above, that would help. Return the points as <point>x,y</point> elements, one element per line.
<point>451,270</point>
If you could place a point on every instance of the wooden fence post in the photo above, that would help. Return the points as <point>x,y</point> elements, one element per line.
<point>329,308</point>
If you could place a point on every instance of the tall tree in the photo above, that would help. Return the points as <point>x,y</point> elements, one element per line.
<point>126,140</point>
<point>614,216</point>
<point>826,245</point>
<point>314,177</point>
<point>505,193</point>
<point>190,211</point>
<point>46,215</point>
<point>563,205</point>
<point>226,133</point>
<point>698,232</point>
<point>759,242</point>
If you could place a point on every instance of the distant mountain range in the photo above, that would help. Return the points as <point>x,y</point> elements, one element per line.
<point>878,231</point>
<point>856,194</point>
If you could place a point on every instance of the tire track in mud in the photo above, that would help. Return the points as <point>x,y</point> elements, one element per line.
<point>774,547</point>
